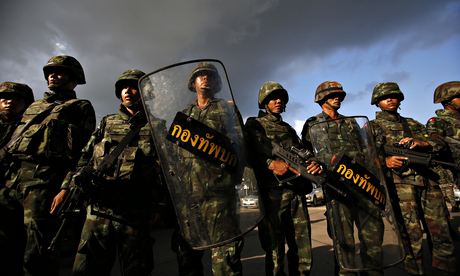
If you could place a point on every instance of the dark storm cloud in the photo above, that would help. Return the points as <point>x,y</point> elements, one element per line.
<point>257,40</point>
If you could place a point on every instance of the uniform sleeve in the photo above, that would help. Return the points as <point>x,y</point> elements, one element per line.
<point>306,140</point>
<point>85,155</point>
<point>258,142</point>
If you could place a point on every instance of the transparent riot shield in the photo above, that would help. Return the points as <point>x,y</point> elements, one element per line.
<point>361,222</point>
<point>198,135</point>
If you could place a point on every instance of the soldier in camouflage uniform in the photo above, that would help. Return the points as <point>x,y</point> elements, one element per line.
<point>51,134</point>
<point>447,124</point>
<point>210,183</point>
<point>14,99</point>
<point>128,197</point>
<point>342,216</point>
<point>286,217</point>
<point>418,193</point>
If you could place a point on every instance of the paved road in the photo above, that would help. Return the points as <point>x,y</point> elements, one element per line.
<point>253,256</point>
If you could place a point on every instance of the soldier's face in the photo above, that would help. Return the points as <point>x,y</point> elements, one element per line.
<point>204,82</point>
<point>59,78</point>
<point>455,102</point>
<point>275,105</point>
<point>129,94</point>
<point>389,103</point>
<point>12,104</point>
<point>334,101</point>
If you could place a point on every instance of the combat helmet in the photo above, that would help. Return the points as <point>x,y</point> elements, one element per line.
<point>384,89</point>
<point>446,91</point>
<point>327,88</point>
<point>20,89</point>
<point>131,75</point>
<point>208,67</point>
<point>67,62</point>
<point>267,89</point>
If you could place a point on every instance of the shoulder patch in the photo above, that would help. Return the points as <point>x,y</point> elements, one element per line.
<point>432,120</point>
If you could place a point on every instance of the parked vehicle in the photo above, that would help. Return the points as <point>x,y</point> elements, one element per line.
<point>456,206</point>
<point>316,196</point>
<point>250,201</point>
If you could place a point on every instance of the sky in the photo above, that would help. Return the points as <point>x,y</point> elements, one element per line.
<point>298,43</point>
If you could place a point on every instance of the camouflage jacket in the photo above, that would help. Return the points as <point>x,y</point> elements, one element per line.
<point>7,128</point>
<point>447,124</point>
<point>266,128</point>
<point>205,178</point>
<point>390,128</point>
<point>53,143</point>
<point>131,187</point>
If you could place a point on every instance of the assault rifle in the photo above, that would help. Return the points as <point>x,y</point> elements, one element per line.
<point>415,157</point>
<point>74,201</point>
<point>297,160</point>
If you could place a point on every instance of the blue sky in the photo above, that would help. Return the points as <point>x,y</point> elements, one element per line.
<point>299,43</point>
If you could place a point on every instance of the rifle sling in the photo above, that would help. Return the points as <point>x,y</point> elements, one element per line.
<point>113,155</point>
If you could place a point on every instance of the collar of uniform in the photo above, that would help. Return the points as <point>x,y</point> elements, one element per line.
<point>448,113</point>
<point>63,95</point>
<point>123,113</point>
<point>389,116</point>
<point>324,117</point>
<point>8,120</point>
<point>270,117</point>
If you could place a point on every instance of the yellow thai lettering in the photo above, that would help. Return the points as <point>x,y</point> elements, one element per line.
<point>185,136</point>
<point>349,174</point>
<point>356,178</point>
<point>204,143</point>
<point>225,156</point>
<point>363,181</point>
<point>214,149</point>
<point>342,168</point>
<point>194,140</point>
<point>178,129</point>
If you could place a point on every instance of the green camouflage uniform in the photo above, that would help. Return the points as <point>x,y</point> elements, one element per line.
<point>419,196</point>
<point>214,184</point>
<point>286,217</point>
<point>341,216</point>
<point>41,158</point>
<point>12,239</point>
<point>126,200</point>
<point>12,234</point>
<point>447,124</point>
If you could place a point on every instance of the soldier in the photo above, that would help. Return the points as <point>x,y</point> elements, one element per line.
<point>286,216</point>
<point>342,216</point>
<point>14,99</point>
<point>47,144</point>
<point>419,196</point>
<point>447,124</point>
<point>127,197</point>
<point>211,185</point>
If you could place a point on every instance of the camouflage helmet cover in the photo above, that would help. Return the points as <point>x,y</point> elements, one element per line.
<point>447,91</point>
<point>267,89</point>
<point>384,89</point>
<point>66,62</point>
<point>20,89</point>
<point>205,67</point>
<point>327,88</point>
<point>131,75</point>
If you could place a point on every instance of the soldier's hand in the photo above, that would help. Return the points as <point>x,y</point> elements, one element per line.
<point>57,200</point>
<point>414,143</point>
<point>313,167</point>
<point>279,167</point>
<point>395,162</point>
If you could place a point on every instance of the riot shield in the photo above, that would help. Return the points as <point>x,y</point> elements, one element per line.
<point>198,135</point>
<point>361,222</point>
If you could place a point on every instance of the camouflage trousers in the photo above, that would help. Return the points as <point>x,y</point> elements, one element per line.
<point>226,260</point>
<point>426,206</point>
<point>342,220</point>
<point>103,240</point>
<point>446,183</point>
<point>286,221</point>
<point>12,234</point>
